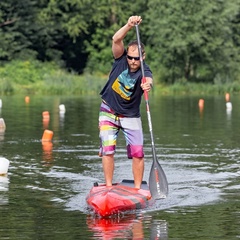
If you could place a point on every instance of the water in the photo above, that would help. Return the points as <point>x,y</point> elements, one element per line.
<point>43,195</point>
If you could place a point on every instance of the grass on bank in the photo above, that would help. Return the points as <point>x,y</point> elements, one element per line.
<point>34,77</point>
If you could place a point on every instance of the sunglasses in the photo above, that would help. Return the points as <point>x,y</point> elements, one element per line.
<point>131,58</point>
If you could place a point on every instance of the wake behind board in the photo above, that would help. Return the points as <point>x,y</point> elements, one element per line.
<point>121,197</point>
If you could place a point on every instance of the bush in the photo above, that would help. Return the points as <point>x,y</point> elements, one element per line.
<point>35,77</point>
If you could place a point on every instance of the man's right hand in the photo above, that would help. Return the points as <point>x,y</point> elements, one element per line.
<point>133,20</point>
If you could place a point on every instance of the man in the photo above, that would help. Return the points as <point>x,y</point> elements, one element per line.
<point>120,107</point>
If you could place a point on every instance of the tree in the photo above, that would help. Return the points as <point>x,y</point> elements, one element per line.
<point>193,40</point>
<point>91,25</point>
<point>113,15</point>
<point>21,32</point>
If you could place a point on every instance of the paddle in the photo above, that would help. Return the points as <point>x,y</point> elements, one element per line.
<point>158,184</point>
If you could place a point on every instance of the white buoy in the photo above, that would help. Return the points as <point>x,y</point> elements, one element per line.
<point>2,125</point>
<point>62,108</point>
<point>4,164</point>
<point>0,103</point>
<point>229,106</point>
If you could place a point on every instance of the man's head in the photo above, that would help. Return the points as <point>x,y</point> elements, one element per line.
<point>133,55</point>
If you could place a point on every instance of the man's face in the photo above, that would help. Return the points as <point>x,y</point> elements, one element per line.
<point>133,58</point>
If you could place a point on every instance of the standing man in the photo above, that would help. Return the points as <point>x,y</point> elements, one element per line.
<point>120,107</point>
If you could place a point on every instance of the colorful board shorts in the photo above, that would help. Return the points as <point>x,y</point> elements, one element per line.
<point>109,126</point>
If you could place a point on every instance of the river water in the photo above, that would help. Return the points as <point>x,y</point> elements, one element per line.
<point>43,195</point>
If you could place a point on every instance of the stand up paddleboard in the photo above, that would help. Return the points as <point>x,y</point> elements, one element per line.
<point>118,198</point>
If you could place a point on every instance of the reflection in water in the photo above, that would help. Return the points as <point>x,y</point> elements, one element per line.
<point>228,118</point>
<point>45,119</point>
<point>130,226</point>
<point>61,119</point>
<point>2,128</point>
<point>200,156</point>
<point>229,113</point>
<point>201,111</point>
<point>1,136</point>
<point>45,123</point>
<point>159,230</point>
<point>47,147</point>
<point>4,182</point>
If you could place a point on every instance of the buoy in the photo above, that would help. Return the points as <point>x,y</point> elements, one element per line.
<point>47,135</point>
<point>201,103</point>
<point>27,99</point>
<point>47,146</point>
<point>2,125</point>
<point>62,108</point>
<point>229,106</point>
<point>0,103</point>
<point>4,164</point>
<point>227,97</point>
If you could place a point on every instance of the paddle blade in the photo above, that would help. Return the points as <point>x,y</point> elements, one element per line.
<point>158,184</point>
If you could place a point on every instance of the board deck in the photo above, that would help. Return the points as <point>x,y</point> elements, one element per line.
<point>130,183</point>
<point>106,201</point>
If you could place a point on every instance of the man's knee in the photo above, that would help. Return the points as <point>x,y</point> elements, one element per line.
<point>135,151</point>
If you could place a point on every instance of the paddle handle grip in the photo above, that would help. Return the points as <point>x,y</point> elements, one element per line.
<point>145,93</point>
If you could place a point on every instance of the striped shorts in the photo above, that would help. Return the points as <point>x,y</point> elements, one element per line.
<point>109,127</point>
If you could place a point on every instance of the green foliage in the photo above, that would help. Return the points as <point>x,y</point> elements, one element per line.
<point>16,28</point>
<point>112,15</point>
<point>186,41</point>
<point>194,39</point>
<point>36,77</point>
<point>21,72</point>
<point>6,86</point>
<point>20,76</point>
<point>198,89</point>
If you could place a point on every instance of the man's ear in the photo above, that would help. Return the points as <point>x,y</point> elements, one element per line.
<point>143,55</point>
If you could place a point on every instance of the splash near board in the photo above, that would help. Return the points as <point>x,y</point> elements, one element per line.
<point>121,197</point>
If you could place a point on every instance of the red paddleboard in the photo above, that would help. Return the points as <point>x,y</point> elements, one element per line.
<point>121,197</point>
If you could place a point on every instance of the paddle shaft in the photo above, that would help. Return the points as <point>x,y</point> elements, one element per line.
<point>146,94</point>
<point>157,181</point>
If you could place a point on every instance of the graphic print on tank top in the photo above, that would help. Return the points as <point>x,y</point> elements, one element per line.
<point>124,85</point>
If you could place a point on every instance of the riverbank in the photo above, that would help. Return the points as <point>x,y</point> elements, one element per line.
<point>33,77</point>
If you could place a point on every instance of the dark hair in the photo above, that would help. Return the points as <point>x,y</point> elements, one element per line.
<point>135,43</point>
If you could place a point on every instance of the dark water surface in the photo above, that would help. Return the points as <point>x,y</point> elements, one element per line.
<point>43,196</point>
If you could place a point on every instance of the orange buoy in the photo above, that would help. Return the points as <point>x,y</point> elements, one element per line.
<point>47,146</point>
<point>27,99</point>
<point>47,153</point>
<point>227,97</point>
<point>201,103</point>
<point>47,135</point>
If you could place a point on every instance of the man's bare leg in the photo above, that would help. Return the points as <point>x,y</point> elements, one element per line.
<point>138,170</point>
<point>108,168</point>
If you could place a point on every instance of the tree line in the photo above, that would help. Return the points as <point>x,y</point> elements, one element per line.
<point>185,41</point>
